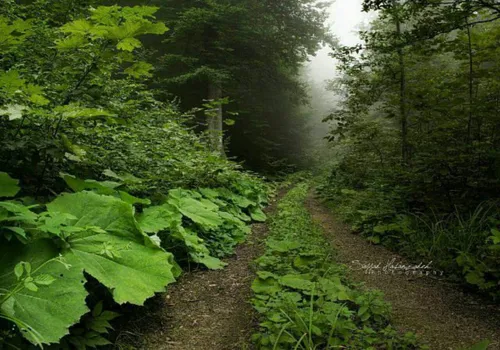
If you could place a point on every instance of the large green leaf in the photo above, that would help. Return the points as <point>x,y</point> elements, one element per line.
<point>169,217</point>
<point>230,218</point>
<point>209,193</point>
<point>257,214</point>
<point>119,255</point>
<point>297,281</point>
<point>126,178</point>
<point>19,212</point>
<point>140,69</point>
<point>240,201</point>
<point>8,186</point>
<point>196,248</point>
<point>102,187</point>
<point>268,286</point>
<point>78,185</point>
<point>237,212</point>
<point>194,209</point>
<point>210,262</point>
<point>45,315</point>
<point>156,219</point>
<point>129,44</point>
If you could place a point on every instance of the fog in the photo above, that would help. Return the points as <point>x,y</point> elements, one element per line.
<point>345,19</point>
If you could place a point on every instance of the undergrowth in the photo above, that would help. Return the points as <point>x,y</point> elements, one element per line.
<point>106,191</point>
<point>304,297</point>
<point>465,245</point>
<point>58,259</point>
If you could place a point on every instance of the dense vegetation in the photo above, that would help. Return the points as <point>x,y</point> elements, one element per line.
<point>306,300</point>
<point>109,183</point>
<point>251,52</point>
<point>132,135</point>
<point>416,137</point>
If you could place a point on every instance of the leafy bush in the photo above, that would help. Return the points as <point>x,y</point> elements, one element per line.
<point>208,223</point>
<point>304,298</point>
<point>465,246</point>
<point>47,254</point>
<point>415,136</point>
<point>74,102</point>
<point>75,113</point>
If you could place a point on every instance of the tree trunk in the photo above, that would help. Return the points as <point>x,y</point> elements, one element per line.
<point>402,90</point>
<point>471,82</point>
<point>214,121</point>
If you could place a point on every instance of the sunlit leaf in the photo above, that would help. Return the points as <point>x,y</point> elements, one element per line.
<point>8,186</point>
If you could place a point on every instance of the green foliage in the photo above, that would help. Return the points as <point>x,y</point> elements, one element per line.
<point>237,47</point>
<point>98,234</point>
<point>114,251</point>
<point>43,282</point>
<point>207,223</point>
<point>13,33</point>
<point>103,187</point>
<point>304,298</point>
<point>465,246</point>
<point>416,160</point>
<point>41,311</point>
<point>257,214</point>
<point>155,219</point>
<point>120,25</point>
<point>74,100</point>
<point>8,186</point>
<point>200,213</point>
<point>480,265</point>
<point>91,331</point>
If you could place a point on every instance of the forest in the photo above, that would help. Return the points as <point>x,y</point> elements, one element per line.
<point>171,177</point>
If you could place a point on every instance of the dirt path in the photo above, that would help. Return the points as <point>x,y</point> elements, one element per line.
<point>208,310</point>
<point>439,312</point>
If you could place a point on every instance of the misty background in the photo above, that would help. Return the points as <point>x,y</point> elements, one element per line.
<point>345,20</point>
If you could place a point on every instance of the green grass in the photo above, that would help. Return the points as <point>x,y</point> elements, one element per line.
<point>463,244</point>
<point>304,297</point>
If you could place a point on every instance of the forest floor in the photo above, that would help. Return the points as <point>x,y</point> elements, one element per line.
<point>444,316</point>
<point>211,309</point>
<point>208,309</point>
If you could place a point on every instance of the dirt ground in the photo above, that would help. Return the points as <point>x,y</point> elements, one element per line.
<point>439,312</point>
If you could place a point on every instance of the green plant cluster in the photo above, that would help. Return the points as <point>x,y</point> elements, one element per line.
<point>148,195</point>
<point>305,299</point>
<point>75,99</point>
<point>416,137</point>
<point>48,250</point>
<point>464,246</point>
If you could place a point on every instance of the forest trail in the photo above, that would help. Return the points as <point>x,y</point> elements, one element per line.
<point>210,309</point>
<point>442,315</point>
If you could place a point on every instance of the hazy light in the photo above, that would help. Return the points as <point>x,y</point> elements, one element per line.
<point>345,19</point>
<point>346,16</point>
